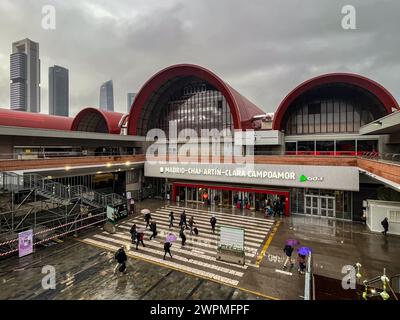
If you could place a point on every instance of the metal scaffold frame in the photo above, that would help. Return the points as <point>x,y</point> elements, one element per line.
<point>49,208</point>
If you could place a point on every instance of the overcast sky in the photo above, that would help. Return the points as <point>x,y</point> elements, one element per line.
<point>262,48</point>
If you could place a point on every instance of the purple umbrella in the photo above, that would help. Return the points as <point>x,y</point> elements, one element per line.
<point>170,238</point>
<point>304,251</point>
<point>292,242</point>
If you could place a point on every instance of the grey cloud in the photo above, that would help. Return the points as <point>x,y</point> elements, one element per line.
<point>262,48</point>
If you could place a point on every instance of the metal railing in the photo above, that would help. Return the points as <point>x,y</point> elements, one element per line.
<point>12,182</point>
<point>62,154</point>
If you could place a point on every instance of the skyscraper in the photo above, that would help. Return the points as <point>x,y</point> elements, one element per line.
<point>25,76</point>
<point>107,96</point>
<point>58,91</point>
<point>130,99</point>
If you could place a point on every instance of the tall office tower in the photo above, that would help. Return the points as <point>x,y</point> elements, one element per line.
<point>107,96</point>
<point>25,76</point>
<point>58,91</point>
<point>130,99</point>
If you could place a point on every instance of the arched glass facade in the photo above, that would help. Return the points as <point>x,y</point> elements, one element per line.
<point>193,105</point>
<point>332,108</point>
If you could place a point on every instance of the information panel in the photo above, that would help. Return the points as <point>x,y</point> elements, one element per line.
<point>232,237</point>
<point>25,243</point>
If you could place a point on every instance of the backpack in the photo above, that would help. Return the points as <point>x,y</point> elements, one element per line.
<point>196,232</point>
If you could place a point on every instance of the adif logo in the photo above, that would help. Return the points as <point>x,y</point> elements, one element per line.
<point>304,178</point>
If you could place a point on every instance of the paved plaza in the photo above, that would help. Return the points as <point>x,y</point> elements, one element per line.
<point>84,265</point>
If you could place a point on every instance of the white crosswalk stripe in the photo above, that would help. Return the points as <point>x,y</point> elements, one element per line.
<point>199,255</point>
<point>197,217</point>
<point>224,215</point>
<point>205,230</point>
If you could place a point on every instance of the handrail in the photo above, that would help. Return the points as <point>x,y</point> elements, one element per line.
<point>11,181</point>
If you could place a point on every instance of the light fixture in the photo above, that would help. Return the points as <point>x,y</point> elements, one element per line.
<point>108,165</point>
<point>127,163</point>
<point>67,168</point>
<point>98,172</point>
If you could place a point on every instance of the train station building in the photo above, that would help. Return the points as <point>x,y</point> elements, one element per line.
<point>332,143</point>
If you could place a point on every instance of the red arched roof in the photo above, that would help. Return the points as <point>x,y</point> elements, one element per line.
<point>373,87</point>
<point>14,118</point>
<point>242,109</point>
<point>93,119</point>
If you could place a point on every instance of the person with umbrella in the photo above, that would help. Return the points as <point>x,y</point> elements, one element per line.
<point>168,244</point>
<point>288,249</point>
<point>303,252</point>
<point>139,238</point>
<point>182,236</point>
<point>213,222</point>
<point>147,217</point>
<point>171,219</point>
<point>153,228</point>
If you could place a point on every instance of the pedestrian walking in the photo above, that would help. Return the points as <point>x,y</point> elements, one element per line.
<point>183,219</point>
<point>191,224</point>
<point>139,239</point>
<point>121,258</point>
<point>288,249</point>
<point>213,222</point>
<point>301,260</point>
<point>147,218</point>
<point>171,219</point>
<point>167,249</point>
<point>182,236</point>
<point>385,225</point>
<point>133,233</point>
<point>153,228</point>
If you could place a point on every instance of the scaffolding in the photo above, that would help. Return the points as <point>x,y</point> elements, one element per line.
<point>51,209</point>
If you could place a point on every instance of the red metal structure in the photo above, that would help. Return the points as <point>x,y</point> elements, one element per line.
<point>384,96</point>
<point>13,118</point>
<point>242,109</point>
<point>96,120</point>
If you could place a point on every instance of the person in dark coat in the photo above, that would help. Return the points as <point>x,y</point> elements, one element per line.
<point>153,228</point>
<point>147,218</point>
<point>121,258</point>
<point>171,219</point>
<point>213,222</point>
<point>167,249</point>
<point>182,236</point>
<point>139,239</point>
<point>133,233</point>
<point>191,224</point>
<point>183,219</point>
<point>385,225</point>
<point>288,251</point>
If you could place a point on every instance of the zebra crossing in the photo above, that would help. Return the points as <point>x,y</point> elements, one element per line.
<point>198,256</point>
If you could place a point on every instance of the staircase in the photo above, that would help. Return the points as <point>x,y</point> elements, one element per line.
<point>57,192</point>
